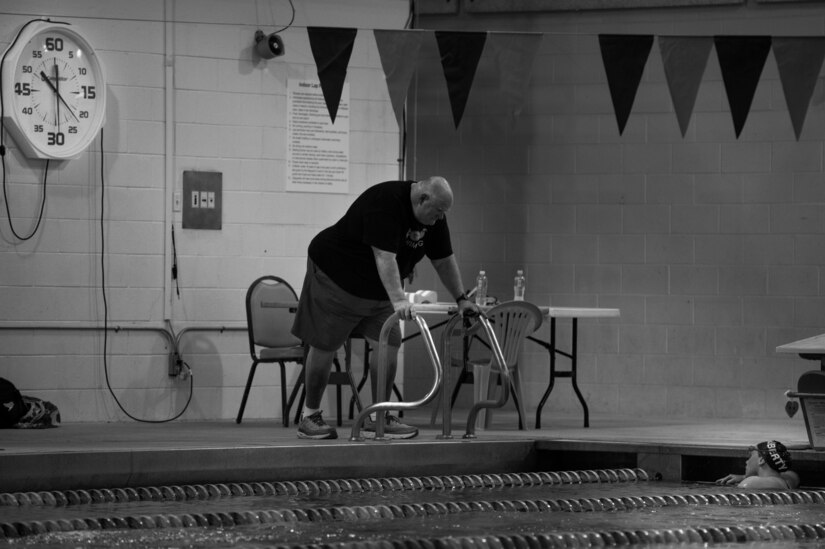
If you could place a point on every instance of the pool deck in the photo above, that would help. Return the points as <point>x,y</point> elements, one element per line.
<point>100,455</point>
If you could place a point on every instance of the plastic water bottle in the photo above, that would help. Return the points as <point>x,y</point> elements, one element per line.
<point>481,288</point>
<point>519,285</point>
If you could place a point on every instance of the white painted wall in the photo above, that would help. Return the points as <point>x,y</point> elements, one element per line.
<point>185,93</point>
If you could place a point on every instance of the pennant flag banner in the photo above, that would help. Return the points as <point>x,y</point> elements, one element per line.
<point>799,60</point>
<point>399,53</point>
<point>624,57</point>
<point>332,48</point>
<point>460,52</point>
<point>514,55</point>
<point>741,59</point>
<point>684,59</point>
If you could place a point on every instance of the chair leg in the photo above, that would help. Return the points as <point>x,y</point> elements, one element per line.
<point>284,411</point>
<point>338,391</point>
<point>364,374</point>
<point>246,391</point>
<point>463,378</point>
<point>300,407</point>
<point>518,399</point>
<point>400,398</point>
<point>298,385</point>
<point>481,391</point>
<point>355,400</point>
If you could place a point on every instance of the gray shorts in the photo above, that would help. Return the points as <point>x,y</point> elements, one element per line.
<point>327,314</point>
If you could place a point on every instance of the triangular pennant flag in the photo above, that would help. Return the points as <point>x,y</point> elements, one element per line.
<point>460,52</point>
<point>741,59</point>
<point>514,54</point>
<point>399,52</point>
<point>684,59</point>
<point>331,48</point>
<point>624,57</point>
<point>799,59</point>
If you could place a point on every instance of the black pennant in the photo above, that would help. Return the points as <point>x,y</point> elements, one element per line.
<point>624,57</point>
<point>460,52</point>
<point>331,48</point>
<point>741,59</point>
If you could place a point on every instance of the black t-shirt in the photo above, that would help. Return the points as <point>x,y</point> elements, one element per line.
<point>382,217</point>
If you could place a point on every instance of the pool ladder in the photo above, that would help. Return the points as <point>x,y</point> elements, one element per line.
<point>454,326</point>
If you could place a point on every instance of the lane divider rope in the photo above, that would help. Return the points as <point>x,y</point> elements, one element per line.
<point>318,487</point>
<point>429,509</point>
<point>709,535</point>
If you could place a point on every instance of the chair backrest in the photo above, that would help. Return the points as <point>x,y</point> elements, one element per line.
<point>512,322</point>
<point>270,310</point>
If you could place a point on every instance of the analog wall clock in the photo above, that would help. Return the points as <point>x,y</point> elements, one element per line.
<point>54,91</point>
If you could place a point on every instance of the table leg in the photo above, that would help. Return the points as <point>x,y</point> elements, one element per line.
<point>574,363</point>
<point>573,356</point>
<point>552,350</point>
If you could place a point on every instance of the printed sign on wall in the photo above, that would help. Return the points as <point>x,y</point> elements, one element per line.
<point>317,149</point>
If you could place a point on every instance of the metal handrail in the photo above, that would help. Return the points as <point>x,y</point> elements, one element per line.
<point>439,381</point>
<point>446,409</point>
<point>504,371</point>
<point>381,375</point>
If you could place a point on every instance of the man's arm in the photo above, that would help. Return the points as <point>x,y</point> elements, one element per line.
<point>447,269</point>
<point>391,279</point>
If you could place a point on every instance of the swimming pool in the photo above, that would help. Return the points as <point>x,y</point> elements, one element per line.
<point>588,508</point>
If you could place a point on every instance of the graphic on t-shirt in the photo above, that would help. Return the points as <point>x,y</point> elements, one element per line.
<point>415,238</point>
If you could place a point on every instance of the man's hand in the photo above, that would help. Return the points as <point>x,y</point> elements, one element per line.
<point>468,308</point>
<point>403,308</point>
<point>727,480</point>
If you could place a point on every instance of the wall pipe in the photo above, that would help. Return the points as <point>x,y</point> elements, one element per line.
<point>174,339</point>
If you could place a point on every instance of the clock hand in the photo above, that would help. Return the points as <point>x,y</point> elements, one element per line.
<point>57,91</point>
<point>60,97</point>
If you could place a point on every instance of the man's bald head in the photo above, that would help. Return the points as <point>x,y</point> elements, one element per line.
<point>431,199</point>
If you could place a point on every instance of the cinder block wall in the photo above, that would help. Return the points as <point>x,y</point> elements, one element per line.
<point>711,246</point>
<point>185,93</point>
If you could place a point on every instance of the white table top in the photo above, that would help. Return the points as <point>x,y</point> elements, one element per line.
<point>550,312</point>
<point>813,345</point>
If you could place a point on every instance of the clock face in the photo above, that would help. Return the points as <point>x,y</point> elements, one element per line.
<point>54,93</point>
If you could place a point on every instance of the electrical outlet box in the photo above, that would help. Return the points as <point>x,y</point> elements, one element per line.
<point>202,200</point>
<point>177,202</point>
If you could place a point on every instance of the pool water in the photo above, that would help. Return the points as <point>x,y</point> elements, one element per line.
<point>519,511</point>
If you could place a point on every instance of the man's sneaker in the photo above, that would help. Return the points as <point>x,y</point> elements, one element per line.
<point>313,426</point>
<point>393,428</point>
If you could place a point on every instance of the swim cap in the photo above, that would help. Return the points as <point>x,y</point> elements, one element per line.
<point>775,455</point>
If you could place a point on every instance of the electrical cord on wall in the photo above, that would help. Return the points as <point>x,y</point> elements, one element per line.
<point>3,142</point>
<point>6,199</point>
<point>106,310</point>
<point>291,20</point>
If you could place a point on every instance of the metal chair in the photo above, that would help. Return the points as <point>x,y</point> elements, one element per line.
<point>270,308</point>
<point>512,322</point>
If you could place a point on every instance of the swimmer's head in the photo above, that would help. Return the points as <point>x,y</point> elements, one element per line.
<point>775,455</point>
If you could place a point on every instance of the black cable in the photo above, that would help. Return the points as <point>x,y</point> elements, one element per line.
<point>292,19</point>
<point>175,262</point>
<point>8,210</point>
<point>106,312</point>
